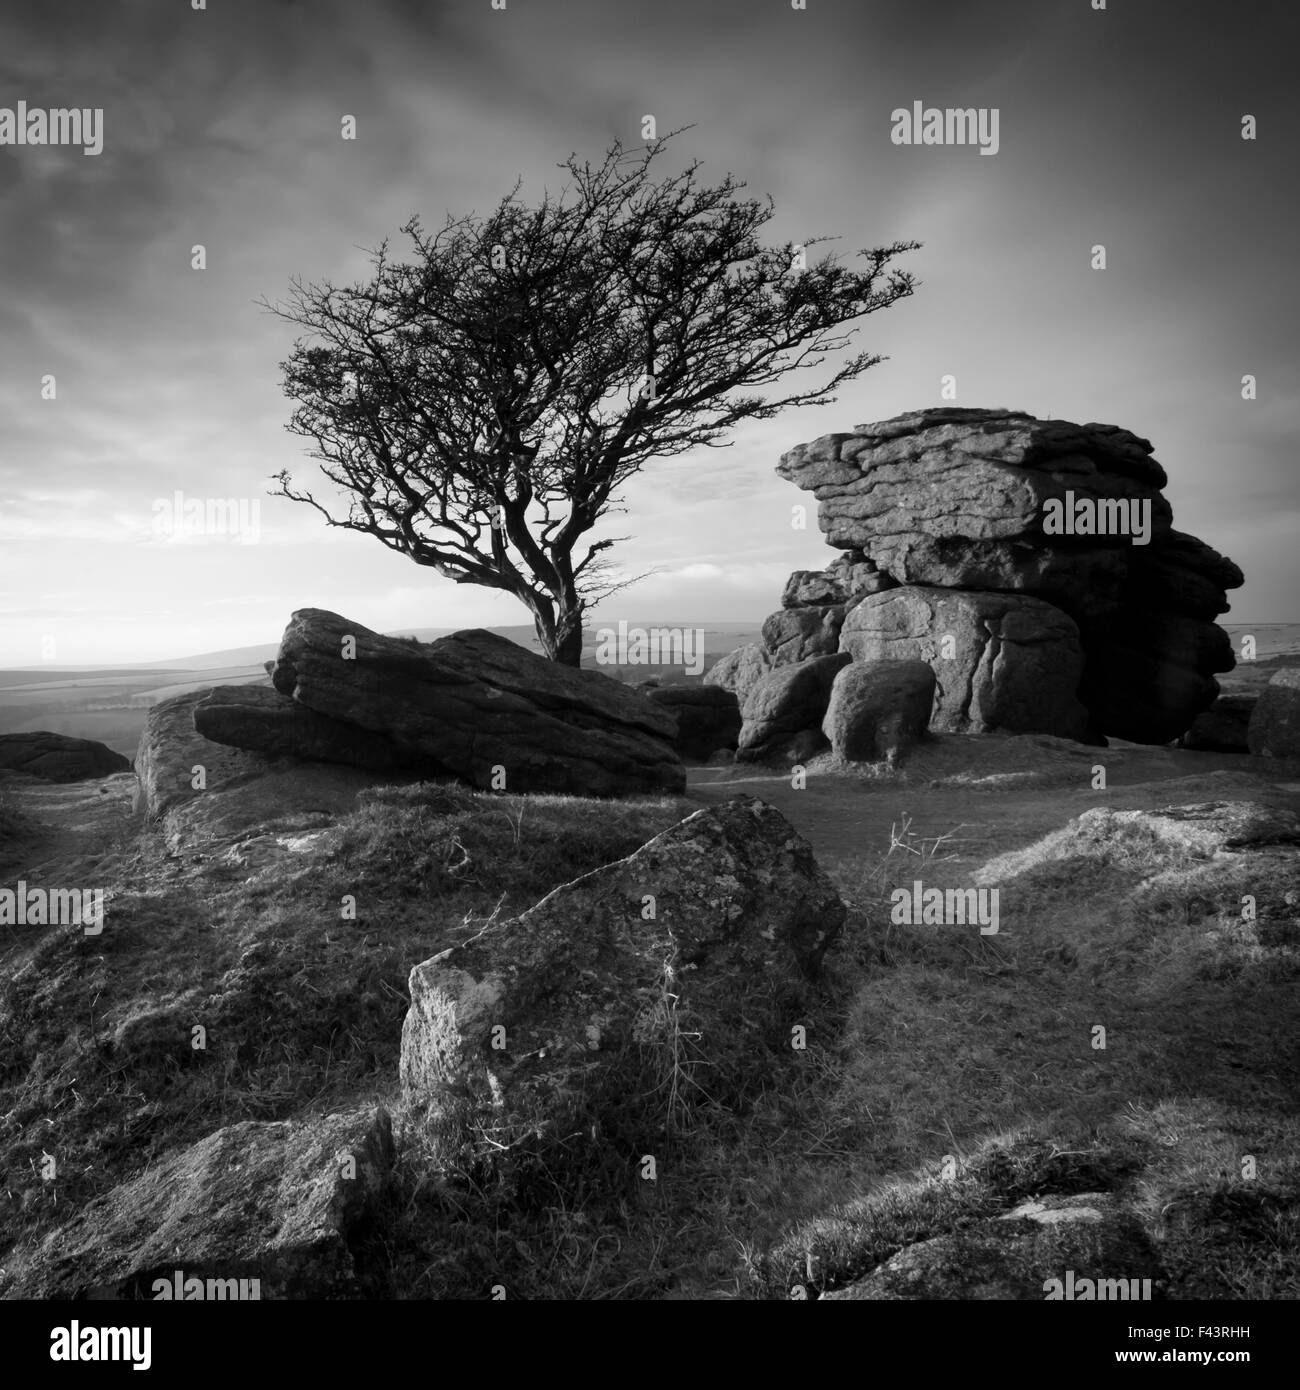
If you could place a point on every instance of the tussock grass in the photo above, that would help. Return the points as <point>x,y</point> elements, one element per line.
<point>947,1075</point>
<point>302,1008</point>
<point>952,1041</point>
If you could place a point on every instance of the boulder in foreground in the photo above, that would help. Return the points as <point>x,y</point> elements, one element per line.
<point>277,1202</point>
<point>686,954</point>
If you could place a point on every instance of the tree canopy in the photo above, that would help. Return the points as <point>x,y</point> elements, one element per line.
<point>481,404</point>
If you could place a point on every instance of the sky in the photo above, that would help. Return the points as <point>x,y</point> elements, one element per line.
<point>222,127</point>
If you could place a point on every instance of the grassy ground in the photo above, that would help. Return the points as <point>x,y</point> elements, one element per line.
<point>947,1074</point>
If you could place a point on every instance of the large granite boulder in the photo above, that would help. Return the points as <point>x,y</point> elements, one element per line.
<point>1222,727</point>
<point>784,705</point>
<point>879,709</point>
<point>741,670</point>
<point>1274,730</point>
<point>279,1202</point>
<point>474,702</point>
<point>558,1026</point>
<point>1001,661</point>
<point>974,500</point>
<point>59,758</point>
<point>708,718</point>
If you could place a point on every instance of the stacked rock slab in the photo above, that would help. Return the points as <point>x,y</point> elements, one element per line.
<point>807,625</point>
<point>957,500</point>
<point>474,702</point>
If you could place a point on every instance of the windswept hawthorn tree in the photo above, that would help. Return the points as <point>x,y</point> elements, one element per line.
<point>482,405</point>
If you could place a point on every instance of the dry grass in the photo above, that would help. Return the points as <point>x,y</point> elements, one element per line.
<point>926,1044</point>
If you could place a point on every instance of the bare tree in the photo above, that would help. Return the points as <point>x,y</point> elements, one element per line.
<point>483,404</point>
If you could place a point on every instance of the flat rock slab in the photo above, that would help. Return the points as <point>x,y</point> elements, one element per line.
<point>261,720</point>
<point>1080,1247</point>
<point>1201,830</point>
<point>477,705</point>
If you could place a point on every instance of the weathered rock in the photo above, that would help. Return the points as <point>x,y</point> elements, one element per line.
<point>878,709</point>
<point>792,635</point>
<point>972,474</point>
<point>59,758</point>
<point>1274,730</point>
<point>1067,1239</point>
<point>858,575</point>
<point>240,788</point>
<point>262,720</point>
<point>787,701</point>
<point>271,1201</point>
<point>959,499</point>
<point>171,750</point>
<point>1204,830</point>
<point>1015,663</point>
<point>850,577</point>
<point>1222,727</point>
<point>812,589</point>
<point>578,984</point>
<point>741,670</point>
<point>708,718</point>
<point>214,821</point>
<point>474,701</point>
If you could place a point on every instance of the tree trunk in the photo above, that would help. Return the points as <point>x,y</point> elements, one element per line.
<point>568,649</point>
<point>559,629</point>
